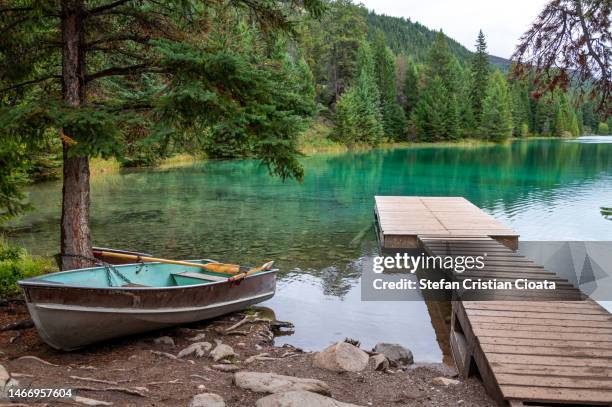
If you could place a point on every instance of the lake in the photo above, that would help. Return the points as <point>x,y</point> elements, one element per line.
<point>320,231</point>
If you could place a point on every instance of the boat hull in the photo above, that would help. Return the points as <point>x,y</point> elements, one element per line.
<point>69,318</point>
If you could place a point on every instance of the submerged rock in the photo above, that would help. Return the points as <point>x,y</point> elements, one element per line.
<point>397,354</point>
<point>199,349</point>
<point>341,357</point>
<point>275,383</point>
<point>207,400</point>
<point>444,381</point>
<point>300,398</point>
<point>222,351</point>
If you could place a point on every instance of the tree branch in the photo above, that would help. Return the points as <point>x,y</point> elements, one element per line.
<point>121,70</point>
<point>33,81</point>
<point>105,7</point>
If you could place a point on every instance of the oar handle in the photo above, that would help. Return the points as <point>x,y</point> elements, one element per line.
<point>214,267</point>
<point>242,276</point>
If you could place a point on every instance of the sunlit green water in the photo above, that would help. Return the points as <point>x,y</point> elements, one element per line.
<point>234,211</point>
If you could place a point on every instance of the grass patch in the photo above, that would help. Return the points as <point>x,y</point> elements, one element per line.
<point>316,139</point>
<point>98,166</point>
<point>180,160</point>
<point>16,264</point>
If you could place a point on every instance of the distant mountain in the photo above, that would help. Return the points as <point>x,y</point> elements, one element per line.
<point>412,38</point>
<point>501,63</point>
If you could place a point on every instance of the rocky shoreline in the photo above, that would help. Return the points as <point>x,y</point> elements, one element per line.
<point>231,361</point>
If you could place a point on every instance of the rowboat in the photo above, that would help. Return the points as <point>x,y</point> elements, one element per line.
<point>71,309</point>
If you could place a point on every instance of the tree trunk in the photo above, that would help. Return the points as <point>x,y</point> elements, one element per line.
<point>75,232</point>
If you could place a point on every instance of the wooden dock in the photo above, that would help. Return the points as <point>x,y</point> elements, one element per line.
<point>529,348</point>
<point>402,219</point>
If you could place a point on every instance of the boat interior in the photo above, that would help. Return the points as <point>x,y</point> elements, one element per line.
<point>135,275</point>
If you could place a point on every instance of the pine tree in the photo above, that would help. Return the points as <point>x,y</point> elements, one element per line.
<point>520,107</point>
<point>429,115</point>
<point>411,87</point>
<point>452,122</point>
<point>443,67</point>
<point>358,116</point>
<point>496,109</point>
<point>480,76</point>
<point>394,120</point>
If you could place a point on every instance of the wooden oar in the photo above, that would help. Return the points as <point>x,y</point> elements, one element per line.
<point>214,267</point>
<point>243,275</point>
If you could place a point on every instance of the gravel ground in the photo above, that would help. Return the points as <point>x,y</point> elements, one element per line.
<point>138,371</point>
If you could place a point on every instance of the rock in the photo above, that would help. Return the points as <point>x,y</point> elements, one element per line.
<point>6,386</point>
<point>91,402</point>
<point>275,383</point>
<point>199,348</point>
<point>397,354</point>
<point>342,357</point>
<point>222,351</point>
<point>379,362</point>
<point>444,381</point>
<point>4,376</point>
<point>226,368</point>
<point>164,340</point>
<point>300,398</point>
<point>198,337</point>
<point>207,400</point>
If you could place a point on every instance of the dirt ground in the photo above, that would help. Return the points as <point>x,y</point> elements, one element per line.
<point>137,371</point>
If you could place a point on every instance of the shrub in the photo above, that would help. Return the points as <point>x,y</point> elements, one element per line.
<point>16,264</point>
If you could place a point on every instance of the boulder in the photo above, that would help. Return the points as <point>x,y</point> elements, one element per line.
<point>222,351</point>
<point>275,383</point>
<point>341,357</point>
<point>300,398</point>
<point>379,362</point>
<point>164,340</point>
<point>444,381</point>
<point>199,349</point>
<point>397,354</point>
<point>207,400</point>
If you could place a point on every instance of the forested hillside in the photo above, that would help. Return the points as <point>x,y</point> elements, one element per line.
<point>408,37</point>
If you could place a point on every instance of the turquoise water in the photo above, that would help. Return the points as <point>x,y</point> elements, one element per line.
<point>319,231</point>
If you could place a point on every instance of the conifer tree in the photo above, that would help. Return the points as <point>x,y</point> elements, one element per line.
<point>429,115</point>
<point>520,107</point>
<point>394,120</point>
<point>358,116</point>
<point>480,76</point>
<point>496,109</point>
<point>411,87</point>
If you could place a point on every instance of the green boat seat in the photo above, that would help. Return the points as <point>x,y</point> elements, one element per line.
<point>190,278</point>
